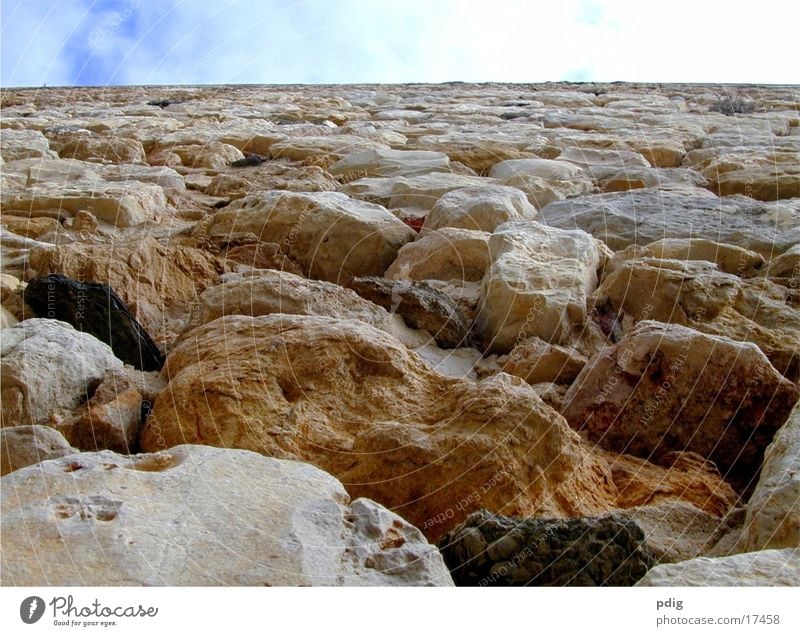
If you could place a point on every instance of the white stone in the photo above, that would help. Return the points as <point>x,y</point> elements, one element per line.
<point>390,163</point>
<point>23,144</point>
<point>449,254</point>
<point>480,208</point>
<point>46,368</point>
<point>768,568</point>
<point>196,515</point>
<point>548,169</point>
<point>537,284</point>
<point>22,446</point>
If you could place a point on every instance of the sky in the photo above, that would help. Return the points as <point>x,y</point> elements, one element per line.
<point>132,42</point>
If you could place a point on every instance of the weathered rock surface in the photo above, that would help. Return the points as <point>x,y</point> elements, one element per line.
<point>88,146</point>
<point>196,515</point>
<point>480,208</point>
<point>542,180</point>
<point>231,220</point>
<point>420,305</point>
<point>264,292</point>
<point>448,254</point>
<point>272,175</point>
<point>535,360</point>
<point>111,419</point>
<point>389,163</point>
<point>537,284</point>
<point>49,367</point>
<point>765,176</point>
<point>355,402</point>
<point>752,569</point>
<point>94,308</point>
<point>696,294</point>
<point>22,446</point>
<point>678,477</point>
<point>323,150</point>
<point>419,193</point>
<point>676,531</point>
<point>330,235</point>
<point>7,319</point>
<point>647,215</point>
<point>773,512</point>
<point>494,550</point>
<point>24,144</point>
<point>731,259</point>
<point>30,227</point>
<point>118,203</point>
<point>667,387</point>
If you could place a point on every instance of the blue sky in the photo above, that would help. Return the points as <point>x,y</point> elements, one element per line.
<point>110,42</point>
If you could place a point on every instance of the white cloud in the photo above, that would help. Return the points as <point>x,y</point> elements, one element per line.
<point>235,41</point>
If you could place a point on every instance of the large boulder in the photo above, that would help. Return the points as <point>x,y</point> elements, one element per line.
<point>730,259</point>
<point>264,292</point>
<point>213,155</point>
<point>668,387</point>
<point>537,284</point>
<point>119,203</point>
<point>480,208</point>
<point>331,236</point>
<point>323,149</point>
<point>677,531</point>
<point>494,550</point>
<point>773,512</point>
<point>647,215</point>
<point>24,144</point>
<point>87,146</point>
<point>111,418</point>
<point>542,168</point>
<point>22,446</point>
<point>355,402</point>
<point>767,568</point>
<point>196,515</point>
<point>448,254</point>
<point>48,368</point>
<point>272,175</point>
<point>542,180</point>
<point>535,360</point>
<point>389,163</point>
<point>766,175</point>
<point>419,193</point>
<point>696,294</point>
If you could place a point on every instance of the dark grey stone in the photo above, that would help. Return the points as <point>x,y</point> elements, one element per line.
<point>494,550</point>
<point>95,308</point>
<point>249,160</point>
